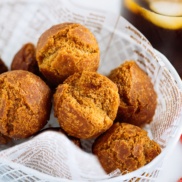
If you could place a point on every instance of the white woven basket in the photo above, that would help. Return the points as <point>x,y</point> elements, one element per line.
<point>23,21</point>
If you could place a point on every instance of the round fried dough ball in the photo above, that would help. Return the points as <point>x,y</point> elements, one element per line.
<point>25,59</point>
<point>86,104</point>
<point>25,102</point>
<point>126,147</point>
<point>138,98</point>
<point>65,49</point>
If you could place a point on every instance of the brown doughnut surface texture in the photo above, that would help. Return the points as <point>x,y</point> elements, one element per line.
<point>25,102</point>
<point>138,98</point>
<point>3,67</point>
<point>65,49</point>
<point>126,147</point>
<point>25,59</point>
<point>4,139</point>
<point>86,104</point>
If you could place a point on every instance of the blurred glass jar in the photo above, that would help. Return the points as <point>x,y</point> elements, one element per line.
<point>161,22</point>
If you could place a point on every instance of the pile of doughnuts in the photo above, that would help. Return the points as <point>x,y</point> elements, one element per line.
<point>61,71</point>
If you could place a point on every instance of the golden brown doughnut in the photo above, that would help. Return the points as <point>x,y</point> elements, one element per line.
<point>65,49</point>
<point>138,98</point>
<point>25,59</point>
<point>126,147</point>
<point>86,104</point>
<point>25,102</point>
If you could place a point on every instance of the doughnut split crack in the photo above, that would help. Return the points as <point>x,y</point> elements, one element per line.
<point>25,102</point>
<point>86,104</point>
<point>65,49</point>
<point>125,147</point>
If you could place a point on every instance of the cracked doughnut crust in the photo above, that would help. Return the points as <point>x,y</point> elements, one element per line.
<point>138,98</point>
<point>24,104</point>
<point>86,104</point>
<point>65,49</point>
<point>126,147</point>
